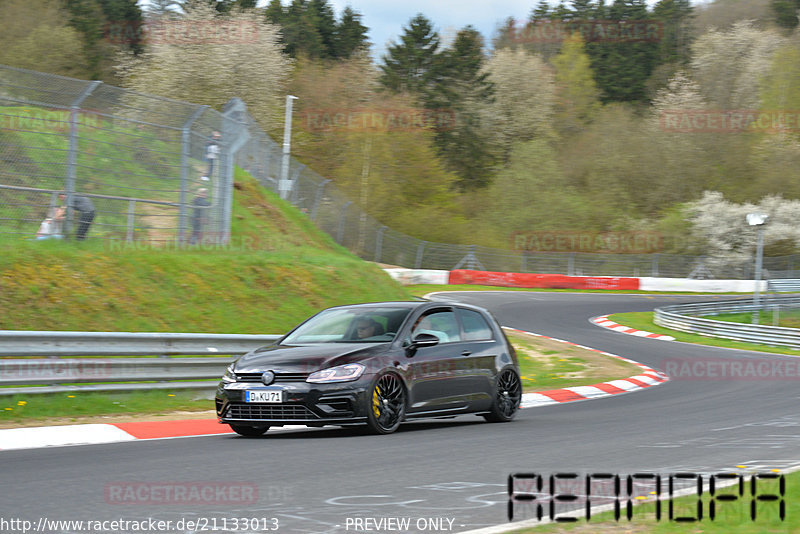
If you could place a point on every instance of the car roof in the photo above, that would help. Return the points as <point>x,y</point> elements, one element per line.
<point>415,304</point>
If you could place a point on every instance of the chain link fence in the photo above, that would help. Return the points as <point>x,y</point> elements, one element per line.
<point>142,160</point>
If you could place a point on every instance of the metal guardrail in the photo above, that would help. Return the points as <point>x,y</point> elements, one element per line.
<point>55,374</point>
<point>786,285</point>
<point>684,317</point>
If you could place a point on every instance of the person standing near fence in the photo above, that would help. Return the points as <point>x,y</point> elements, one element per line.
<point>212,153</point>
<point>200,215</point>
<point>85,209</point>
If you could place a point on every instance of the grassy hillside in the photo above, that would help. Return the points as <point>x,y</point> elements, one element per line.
<point>277,270</point>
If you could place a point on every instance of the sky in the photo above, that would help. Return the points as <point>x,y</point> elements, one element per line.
<point>386,18</point>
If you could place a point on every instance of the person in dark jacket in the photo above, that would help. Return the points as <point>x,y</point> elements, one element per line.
<point>199,215</point>
<point>85,209</point>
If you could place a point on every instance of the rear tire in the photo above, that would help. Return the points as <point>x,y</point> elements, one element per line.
<point>249,431</point>
<point>508,394</point>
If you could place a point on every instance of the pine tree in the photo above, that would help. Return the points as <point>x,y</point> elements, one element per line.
<point>676,17</point>
<point>623,67</point>
<point>351,35</point>
<point>274,12</point>
<point>407,65</point>
<point>785,12</point>
<point>459,85</point>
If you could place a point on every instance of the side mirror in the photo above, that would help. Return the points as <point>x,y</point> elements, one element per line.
<point>419,341</point>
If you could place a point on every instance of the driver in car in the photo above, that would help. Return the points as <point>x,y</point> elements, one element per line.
<point>367,327</point>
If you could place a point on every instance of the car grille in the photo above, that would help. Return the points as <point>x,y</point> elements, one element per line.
<point>279,377</point>
<point>266,411</point>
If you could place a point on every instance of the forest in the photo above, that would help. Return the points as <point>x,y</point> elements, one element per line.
<point>589,117</point>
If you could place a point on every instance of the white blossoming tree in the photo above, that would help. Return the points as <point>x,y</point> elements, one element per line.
<point>217,58</point>
<point>722,225</point>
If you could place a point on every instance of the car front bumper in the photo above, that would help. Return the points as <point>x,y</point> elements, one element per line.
<point>302,403</point>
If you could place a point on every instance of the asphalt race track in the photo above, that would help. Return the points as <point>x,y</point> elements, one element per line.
<point>440,476</point>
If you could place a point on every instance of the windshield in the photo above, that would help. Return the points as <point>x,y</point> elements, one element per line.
<point>350,325</point>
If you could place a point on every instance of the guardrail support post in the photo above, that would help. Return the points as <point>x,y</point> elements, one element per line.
<point>420,252</point>
<point>186,141</point>
<point>342,217</point>
<point>72,155</point>
<point>318,199</point>
<point>131,220</point>
<point>379,244</point>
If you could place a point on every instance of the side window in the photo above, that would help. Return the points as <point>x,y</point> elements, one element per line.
<point>441,324</point>
<point>475,326</point>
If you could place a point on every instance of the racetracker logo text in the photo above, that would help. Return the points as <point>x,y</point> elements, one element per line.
<point>594,31</point>
<point>182,32</point>
<point>183,493</point>
<point>729,121</point>
<point>366,119</point>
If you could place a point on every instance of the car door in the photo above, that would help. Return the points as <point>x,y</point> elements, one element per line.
<point>478,351</point>
<point>432,372</point>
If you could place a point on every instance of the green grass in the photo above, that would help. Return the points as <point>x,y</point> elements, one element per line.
<point>18,408</point>
<point>786,318</point>
<point>278,270</point>
<point>544,368</point>
<point>730,516</point>
<point>644,321</point>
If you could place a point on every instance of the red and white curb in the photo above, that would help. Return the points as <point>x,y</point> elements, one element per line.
<point>604,321</point>
<point>100,433</point>
<point>649,377</point>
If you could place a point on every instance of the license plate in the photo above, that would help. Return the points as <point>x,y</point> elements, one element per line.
<point>272,396</point>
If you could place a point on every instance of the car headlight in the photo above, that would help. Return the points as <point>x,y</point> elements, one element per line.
<point>229,375</point>
<point>341,373</point>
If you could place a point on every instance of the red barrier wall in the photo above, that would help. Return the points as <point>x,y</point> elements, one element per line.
<point>550,281</point>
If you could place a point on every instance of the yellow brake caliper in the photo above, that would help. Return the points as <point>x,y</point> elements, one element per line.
<point>376,403</point>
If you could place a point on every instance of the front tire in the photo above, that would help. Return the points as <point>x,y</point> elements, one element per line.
<point>508,394</point>
<point>249,431</point>
<point>386,404</point>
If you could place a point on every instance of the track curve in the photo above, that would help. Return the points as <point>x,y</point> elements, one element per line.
<point>452,473</point>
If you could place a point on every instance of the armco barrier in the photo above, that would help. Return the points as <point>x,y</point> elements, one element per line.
<point>549,281</point>
<point>57,374</point>
<point>684,317</point>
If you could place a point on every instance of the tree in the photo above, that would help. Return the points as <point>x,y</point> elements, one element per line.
<point>460,85</point>
<point>785,12</point>
<point>577,98</point>
<point>40,38</point>
<point>622,67</point>
<point>92,18</point>
<point>524,98</point>
<point>530,194</point>
<point>728,65</point>
<point>351,35</point>
<point>676,17</point>
<point>213,73</point>
<point>722,225</point>
<point>407,65</point>
<point>274,12</point>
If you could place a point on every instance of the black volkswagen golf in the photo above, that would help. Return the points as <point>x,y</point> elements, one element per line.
<point>377,364</point>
